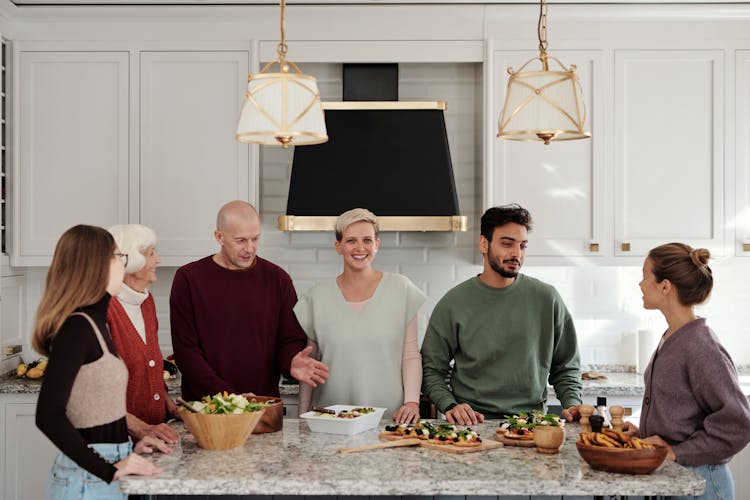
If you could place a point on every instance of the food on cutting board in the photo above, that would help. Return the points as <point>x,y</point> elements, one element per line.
<point>614,439</point>
<point>521,426</point>
<point>443,434</point>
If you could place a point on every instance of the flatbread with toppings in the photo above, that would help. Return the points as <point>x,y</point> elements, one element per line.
<point>441,434</point>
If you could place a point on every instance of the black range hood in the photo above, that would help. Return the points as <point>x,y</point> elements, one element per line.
<point>389,156</point>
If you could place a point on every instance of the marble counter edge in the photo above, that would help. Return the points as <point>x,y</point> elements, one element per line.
<point>191,470</point>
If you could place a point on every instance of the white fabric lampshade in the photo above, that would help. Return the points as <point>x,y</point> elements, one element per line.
<point>282,109</point>
<point>546,103</point>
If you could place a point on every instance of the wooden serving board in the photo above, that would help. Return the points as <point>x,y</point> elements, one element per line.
<point>486,445</point>
<point>513,442</point>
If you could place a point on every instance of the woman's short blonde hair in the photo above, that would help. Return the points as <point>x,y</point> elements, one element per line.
<point>133,239</point>
<point>352,216</point>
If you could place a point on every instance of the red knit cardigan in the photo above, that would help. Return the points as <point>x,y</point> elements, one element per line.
<point>146,394</point>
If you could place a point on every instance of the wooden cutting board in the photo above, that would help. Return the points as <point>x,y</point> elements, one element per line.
<point>448,448</point>
<point>513,442</point>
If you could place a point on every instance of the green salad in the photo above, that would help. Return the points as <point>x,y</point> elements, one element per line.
<point>225,404</point>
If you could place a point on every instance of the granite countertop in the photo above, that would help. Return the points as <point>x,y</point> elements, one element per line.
<point>296,461</point>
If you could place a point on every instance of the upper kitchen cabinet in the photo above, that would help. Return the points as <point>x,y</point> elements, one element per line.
<point>562,184</point>
<point>669,149</point>
<point>742,136</point>
<point>143,135</point>
<point>71,152</point>
<point>190,162</point>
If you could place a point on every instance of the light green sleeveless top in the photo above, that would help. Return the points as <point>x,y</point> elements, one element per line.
<point>362,350</point>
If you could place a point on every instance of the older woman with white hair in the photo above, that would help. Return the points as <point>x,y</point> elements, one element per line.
<point>363,325</point>
<point>134,326</point>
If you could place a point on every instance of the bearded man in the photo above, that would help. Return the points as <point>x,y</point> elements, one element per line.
<point>494,341</point>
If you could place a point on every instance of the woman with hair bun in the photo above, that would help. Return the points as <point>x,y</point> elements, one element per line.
<point>692,403</point>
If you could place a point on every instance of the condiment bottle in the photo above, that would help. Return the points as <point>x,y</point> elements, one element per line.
<point>586,412</point>
<point>601,409</point>
<point>617,412</point>
<point>597,422</point>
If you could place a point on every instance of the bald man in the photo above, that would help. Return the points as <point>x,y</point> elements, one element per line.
<point>233,328</point>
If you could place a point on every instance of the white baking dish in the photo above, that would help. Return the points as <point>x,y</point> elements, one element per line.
<point>334,425</point>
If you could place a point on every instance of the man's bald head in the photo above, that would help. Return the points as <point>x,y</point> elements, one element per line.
<point>233,211</point>
<point>238,233</point>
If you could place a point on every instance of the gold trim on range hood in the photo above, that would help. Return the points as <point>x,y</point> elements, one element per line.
<point>454,223</point>
<point>451,223</point>
<point>440,105</point>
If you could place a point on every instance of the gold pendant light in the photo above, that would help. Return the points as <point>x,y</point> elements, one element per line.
<point>543,105</point>
<point>282,108</point>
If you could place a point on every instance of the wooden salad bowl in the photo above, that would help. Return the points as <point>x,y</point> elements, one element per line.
<point>221,432</point>
<point>622,460</point>
<point>273,416</point>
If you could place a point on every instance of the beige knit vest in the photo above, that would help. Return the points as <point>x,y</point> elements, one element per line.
<point>98,393</point>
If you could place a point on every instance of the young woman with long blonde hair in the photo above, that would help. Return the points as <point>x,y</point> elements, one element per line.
<point>81,406</point>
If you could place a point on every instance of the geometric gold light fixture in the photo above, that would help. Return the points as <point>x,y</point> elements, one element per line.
<point>543,105</point>
<point>282,108</point>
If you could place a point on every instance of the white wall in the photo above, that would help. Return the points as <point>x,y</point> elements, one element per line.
<point>605,301</point>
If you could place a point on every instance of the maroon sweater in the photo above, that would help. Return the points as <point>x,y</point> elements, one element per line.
<point>146,392</point>
<point>233,331</point>
<point>693,399</point>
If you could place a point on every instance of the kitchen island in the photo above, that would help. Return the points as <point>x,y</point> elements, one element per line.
<point>296,461</point>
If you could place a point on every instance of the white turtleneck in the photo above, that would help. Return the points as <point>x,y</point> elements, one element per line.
<point>131,301</point>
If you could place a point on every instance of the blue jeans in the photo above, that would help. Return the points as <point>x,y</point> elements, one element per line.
<point>68,481</point>
<point>719,482</point>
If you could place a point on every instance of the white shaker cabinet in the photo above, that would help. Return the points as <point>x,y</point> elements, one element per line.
<point>138,135</point>
<point>669,149</point>
<point>190,162</point>
<point>26,454</point>
<point>742,136</point>
<point>562,184</point>
<point>71,156</point>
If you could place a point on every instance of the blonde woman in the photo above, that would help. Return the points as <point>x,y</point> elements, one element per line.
<point>363,325</point>
<point>81,406</point>
<point>134,328</point>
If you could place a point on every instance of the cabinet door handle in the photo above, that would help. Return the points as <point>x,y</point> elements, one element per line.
<point>746,247</point>
<point>625,247</point>
<point>594,247</point>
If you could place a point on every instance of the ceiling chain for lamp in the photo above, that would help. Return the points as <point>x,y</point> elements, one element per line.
<point>282,108</point>
<point>543,105</point>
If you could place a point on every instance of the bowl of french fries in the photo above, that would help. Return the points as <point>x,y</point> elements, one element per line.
<point>615,451</point>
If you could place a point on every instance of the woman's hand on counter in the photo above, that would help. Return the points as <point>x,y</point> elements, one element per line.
<point>149,444</point>
<point>140,429</point>
<point>134,464</point>
<point>630,428</point>
<point>658,441</point>
<point>407,414</point>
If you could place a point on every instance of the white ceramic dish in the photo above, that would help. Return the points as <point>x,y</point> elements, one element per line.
<point>348,426</point>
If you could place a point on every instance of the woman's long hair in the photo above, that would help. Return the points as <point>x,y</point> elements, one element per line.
<point>77,277</point>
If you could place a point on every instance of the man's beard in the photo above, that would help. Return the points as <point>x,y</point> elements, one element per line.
<point>500,270</point>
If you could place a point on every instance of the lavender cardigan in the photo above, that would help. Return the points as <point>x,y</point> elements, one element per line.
<point>693,400</point>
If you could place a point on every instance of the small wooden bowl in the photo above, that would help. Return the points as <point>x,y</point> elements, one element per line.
<point>221,432</point>
<point>622,460</point>
<point>548,438</point>
<point>273,416</point>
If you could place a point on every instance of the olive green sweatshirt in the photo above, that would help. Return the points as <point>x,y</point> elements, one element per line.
<point>506,342</point>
